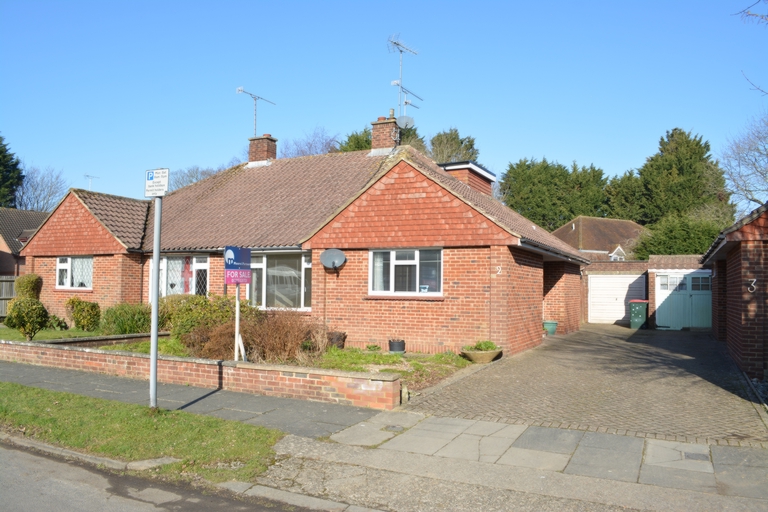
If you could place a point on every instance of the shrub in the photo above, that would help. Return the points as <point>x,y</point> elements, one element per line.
<point>282,334</point>
<point>27,315</point>
<point>56,323</point>
<point>84,314</point>
<point>127,319</point>
<point>28,286</point>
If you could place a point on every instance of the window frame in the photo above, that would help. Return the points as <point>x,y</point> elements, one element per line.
<point>195,265</point>
<point>394,262</point>
<point>68,267</point>
<point>306,265</point>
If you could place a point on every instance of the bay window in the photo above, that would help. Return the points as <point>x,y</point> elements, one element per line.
<point>74,272</point>
<point>405,272</point>
<point>281,280</point>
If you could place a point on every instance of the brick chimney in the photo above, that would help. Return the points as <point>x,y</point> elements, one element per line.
<point>474,175</point>
<point>262,148</point>
<point>383,131</point>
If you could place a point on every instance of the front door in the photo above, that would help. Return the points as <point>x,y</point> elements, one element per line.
<point>683,301</point>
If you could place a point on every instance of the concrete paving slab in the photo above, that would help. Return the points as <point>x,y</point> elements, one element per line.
<point>535,459</point>
<point>485,428</point>
<point>608,464</point>
<point>743,481</point>
<point>234,486</point>
<point>298,500</point>
<point>426,445</point>
<point>683,456</point>
<point>623,444</point>
<point>232,414</point>
<point>492,448</point>
<point>549,440</point>
<point>510,431</point>
<point>363,434</point>
<point>678,478</point>
<point>400,418</point>
<point>453,425</point>
<point>465,446</point>
<point>739,456</point>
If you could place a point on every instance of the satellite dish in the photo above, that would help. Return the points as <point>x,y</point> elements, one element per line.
<point>332,258</point>
<point>404,122</point>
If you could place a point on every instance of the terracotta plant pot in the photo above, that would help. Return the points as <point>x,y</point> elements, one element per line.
<point>481,356</point>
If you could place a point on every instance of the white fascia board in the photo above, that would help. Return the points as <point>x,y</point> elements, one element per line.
<point>479,170</point>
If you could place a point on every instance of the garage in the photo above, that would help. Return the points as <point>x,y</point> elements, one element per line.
<point>683,300</point>
<point>609,297</point>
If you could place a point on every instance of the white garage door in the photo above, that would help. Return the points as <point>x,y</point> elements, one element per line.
<point>609,297</point>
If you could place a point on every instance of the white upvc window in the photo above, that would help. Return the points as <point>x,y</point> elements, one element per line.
<point>416,272</point>
<point>183,275</point>
<point>281,280</point>
<point>74,272</point>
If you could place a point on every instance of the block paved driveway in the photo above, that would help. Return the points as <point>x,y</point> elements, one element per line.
<point>661,384</point>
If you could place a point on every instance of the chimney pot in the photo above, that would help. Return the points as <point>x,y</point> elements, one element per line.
<point>391,113</point>
<point>382,118</point>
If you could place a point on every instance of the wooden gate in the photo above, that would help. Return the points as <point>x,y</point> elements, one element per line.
<point>7,292</point>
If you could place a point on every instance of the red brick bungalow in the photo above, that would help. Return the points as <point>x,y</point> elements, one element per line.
<point>431,257</point>
<point>739,261</point>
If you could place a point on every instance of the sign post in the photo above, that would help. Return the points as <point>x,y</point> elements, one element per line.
<point>156,185</point>
<point>237,271</point>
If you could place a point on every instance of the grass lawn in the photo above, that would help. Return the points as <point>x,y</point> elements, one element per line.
<point>8,334</point>
<point>166,346</point>
<point>210,448</point>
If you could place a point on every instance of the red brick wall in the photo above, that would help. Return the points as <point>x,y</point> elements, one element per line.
<point>57,238</point>
<point>562,302</point>
<point>478,302</point>
<point>719,300</point>
<point>405,209</point>
<point>116,278</point>
<point>381,133</point>
<point>270,380</point>
<point>472,179</point>
<point>651,300</point>
<point>747,311</point>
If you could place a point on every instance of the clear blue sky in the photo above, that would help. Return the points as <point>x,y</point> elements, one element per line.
<point>113,88</point>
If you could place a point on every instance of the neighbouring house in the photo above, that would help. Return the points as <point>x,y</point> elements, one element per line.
<point>15,228</point>
<point>739,262</point>
<point>599,238</point>
<point>611,280</point>
<point>431,257</point>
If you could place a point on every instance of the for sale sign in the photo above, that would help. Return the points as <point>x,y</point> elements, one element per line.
<point>237,265</point>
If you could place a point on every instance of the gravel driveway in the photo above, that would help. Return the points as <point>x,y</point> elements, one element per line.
<point>665,384</point>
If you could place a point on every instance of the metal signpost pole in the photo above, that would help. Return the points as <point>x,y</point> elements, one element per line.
<point>155,288</point>
<point>237,322</point>
<point>156,185</point>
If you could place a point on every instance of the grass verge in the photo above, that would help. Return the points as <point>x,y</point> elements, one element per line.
<point>8,334</point>
<point>209,448</point>
<point>166,346</point>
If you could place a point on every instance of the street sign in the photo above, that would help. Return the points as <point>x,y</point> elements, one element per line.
<point>237,265</point>
<point>156,184</point>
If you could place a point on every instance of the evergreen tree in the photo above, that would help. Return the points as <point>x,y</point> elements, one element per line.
<point>357,141</point>
<point>11,176</point>
<point>624,196</point>
<point>550,194</point>
<point>449,146</point>
<point>677,234</point>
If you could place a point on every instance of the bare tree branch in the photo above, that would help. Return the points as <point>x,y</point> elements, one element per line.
<point>745,161</point>
<point>41,190</point>
<point>318,142</point>
<point>754,87</point>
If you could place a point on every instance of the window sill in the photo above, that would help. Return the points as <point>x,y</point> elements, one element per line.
<point>433,298</point>
<point>74,290</point>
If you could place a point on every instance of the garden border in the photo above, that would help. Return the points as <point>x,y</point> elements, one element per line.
<point>372,390</point>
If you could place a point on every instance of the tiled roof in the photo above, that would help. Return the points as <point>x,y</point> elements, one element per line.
<point>751,217</point>
<point>13,222</point>
<point>505,217</point>
<point>599,234</point>
<point>274,205</point>
<point>124,217</point>
<point>678,261</point>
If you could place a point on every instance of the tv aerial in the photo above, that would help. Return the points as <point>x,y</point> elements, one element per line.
<point>90,180</point>
<point>255,101</point>
<point>395,45</point>
<point>332,259</point>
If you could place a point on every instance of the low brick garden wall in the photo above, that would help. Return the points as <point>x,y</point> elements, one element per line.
<point>376,391</point>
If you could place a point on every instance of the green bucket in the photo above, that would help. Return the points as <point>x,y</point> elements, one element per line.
<point>550,326</point>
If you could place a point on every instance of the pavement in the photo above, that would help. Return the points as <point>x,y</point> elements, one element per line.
<point>632,440</point>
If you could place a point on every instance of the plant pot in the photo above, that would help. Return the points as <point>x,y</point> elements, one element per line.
<point>550,326</point>
<point>481,356</point>
<point>397,346</point>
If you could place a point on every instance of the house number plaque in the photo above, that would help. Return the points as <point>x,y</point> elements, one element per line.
<point>752,285</point>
